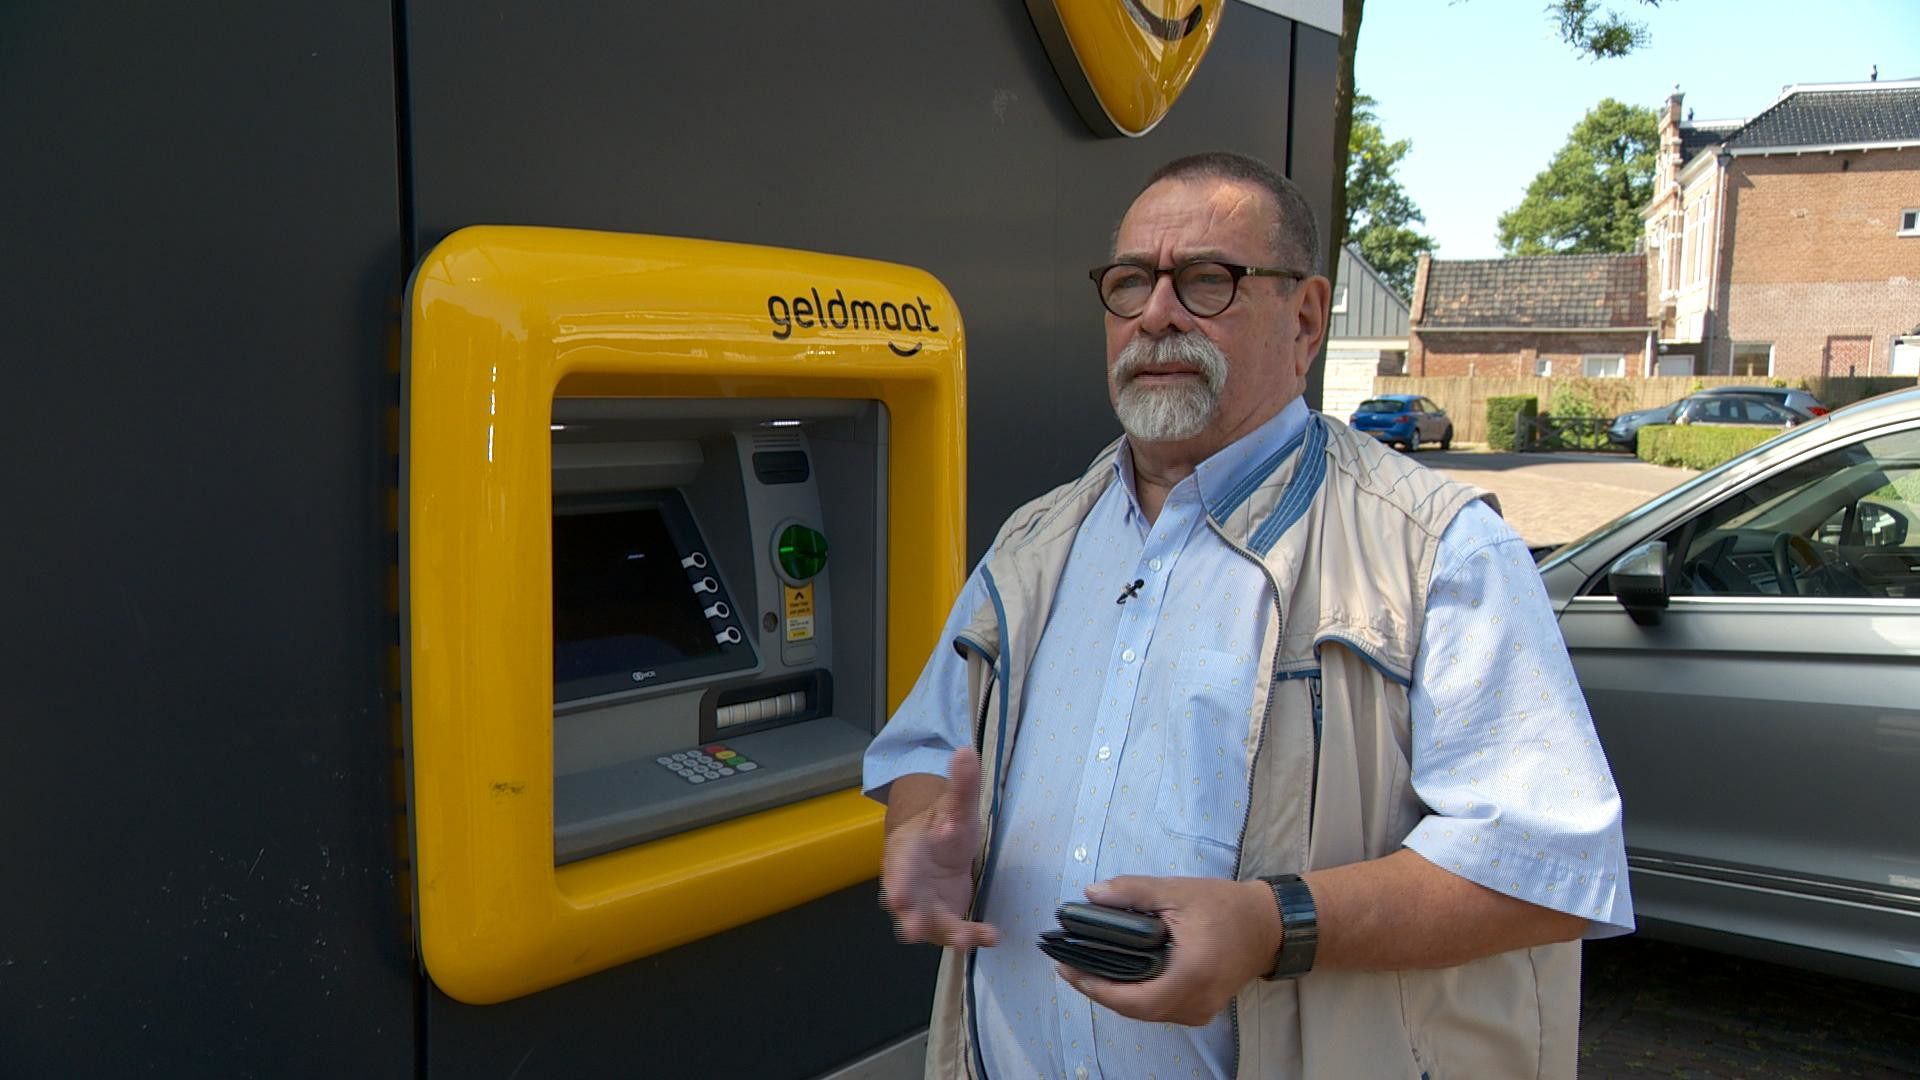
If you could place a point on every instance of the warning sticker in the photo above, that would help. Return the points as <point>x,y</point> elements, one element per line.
<point>799,612</point>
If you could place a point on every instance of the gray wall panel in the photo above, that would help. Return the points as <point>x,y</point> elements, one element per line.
<point>201,261</point>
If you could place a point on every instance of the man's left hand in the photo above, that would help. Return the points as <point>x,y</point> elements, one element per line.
<point>1224,934</point>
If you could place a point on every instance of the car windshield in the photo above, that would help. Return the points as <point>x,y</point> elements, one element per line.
<point>1381,405</point>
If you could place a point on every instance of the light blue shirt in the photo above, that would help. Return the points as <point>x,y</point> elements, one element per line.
<point>1131,754</point>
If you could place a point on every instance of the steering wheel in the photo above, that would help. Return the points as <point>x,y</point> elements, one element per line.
<point>1788,546</point>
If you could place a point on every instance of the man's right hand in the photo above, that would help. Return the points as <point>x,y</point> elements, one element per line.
<point>926,876</point>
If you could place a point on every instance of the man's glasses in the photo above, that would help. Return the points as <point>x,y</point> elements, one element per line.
<point>1205,288</point>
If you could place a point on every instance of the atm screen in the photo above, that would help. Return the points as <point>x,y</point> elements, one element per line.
<point>636,600</point>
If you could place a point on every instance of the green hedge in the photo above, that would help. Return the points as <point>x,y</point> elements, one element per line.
<point>1500,414</point>
<point>1699,446</point>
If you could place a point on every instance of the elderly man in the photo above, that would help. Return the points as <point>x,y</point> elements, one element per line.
<point>1260,675</point>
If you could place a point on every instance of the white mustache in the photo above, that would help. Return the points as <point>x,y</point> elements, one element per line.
<point>1187,349</point>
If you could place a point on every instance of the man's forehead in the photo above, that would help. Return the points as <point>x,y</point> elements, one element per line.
<point>1198,216</point>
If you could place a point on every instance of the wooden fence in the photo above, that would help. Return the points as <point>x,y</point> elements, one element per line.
<point>1465,399</point>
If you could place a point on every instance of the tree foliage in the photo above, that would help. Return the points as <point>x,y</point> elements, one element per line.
<point>1591,28</point>
<point>1597,30</point>
<point>1588,199</point>
<point>1379,214</point>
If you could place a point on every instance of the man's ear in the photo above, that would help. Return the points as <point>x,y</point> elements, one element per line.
<point>1310,325</point>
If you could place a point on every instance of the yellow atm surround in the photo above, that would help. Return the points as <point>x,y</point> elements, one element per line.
<point>503,320</point>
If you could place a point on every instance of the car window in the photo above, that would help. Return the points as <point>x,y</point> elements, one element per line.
<point>1757,411</point>
<point>1379,405</point>
<point>1845,523</point>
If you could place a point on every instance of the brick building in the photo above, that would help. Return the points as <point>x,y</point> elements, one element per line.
<point>1788,245</point>
<point>1535,315</point>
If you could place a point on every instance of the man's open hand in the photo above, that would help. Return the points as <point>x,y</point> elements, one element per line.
<point>1224,934</point>
<point>926,875</point>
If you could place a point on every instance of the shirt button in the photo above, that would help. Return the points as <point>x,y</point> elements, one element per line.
<point>1127,656</point>
<point>1153,564</point>
<point>1080,1073</point>
<point>1104,753</point>
<point>1080,853</point>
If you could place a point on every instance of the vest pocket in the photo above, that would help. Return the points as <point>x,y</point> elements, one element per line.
<point>1203,772</point>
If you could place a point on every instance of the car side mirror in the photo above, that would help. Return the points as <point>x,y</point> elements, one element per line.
<point>1639,581</point>
<point>1881,526</point>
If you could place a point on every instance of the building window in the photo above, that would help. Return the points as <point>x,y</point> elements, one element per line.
<point>1910,223</point>
<point>1340,300</point>
<point>1603,367</point>
<point>1543,367</point>
<point>1753,358</point>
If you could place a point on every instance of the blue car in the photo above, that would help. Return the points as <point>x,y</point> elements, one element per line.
<point>1405,420</point>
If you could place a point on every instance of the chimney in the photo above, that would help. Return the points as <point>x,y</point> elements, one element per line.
<point>1419,304</point>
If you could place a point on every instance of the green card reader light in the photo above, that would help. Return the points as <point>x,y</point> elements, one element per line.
<point>801,552</point>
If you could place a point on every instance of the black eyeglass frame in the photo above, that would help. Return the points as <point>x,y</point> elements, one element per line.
<point>1234,270</point>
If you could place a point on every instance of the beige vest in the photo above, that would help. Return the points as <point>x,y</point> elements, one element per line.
<point>1347,532</point>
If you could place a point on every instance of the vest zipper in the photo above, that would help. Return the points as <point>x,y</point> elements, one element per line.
<point>1260,745</point>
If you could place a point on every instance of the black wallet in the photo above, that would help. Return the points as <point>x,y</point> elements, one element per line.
<point>1113,943</point>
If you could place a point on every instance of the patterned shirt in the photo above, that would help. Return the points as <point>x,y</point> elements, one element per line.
<point>1131,754</point>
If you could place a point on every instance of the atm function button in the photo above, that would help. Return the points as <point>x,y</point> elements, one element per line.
<point>746,766</point>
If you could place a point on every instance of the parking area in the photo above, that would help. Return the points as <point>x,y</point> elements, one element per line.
<point>1557,497</point>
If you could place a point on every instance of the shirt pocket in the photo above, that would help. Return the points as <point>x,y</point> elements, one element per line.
<point>1203,772</point>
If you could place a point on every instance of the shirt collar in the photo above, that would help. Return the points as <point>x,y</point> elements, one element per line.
<point>1221,473</point>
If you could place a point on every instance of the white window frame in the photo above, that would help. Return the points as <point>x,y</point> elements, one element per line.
<point>1733,359</point>
<point>1543,367</point>
<point>1617,360</point>
<point>1909,222</point>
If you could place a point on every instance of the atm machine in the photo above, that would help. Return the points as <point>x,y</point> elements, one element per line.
<point>683,520</point>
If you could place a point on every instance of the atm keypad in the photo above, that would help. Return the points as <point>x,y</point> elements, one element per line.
<point>706,764</point>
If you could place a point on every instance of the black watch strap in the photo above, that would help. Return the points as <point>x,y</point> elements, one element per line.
<point>1299,926</point>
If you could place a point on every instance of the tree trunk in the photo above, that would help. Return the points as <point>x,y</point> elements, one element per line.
<point>1342,132</point>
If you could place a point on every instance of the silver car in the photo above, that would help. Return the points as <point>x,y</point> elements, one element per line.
<point>1750,646</point>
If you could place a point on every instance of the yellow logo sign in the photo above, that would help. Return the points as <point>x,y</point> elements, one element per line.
<point>1124,62</point>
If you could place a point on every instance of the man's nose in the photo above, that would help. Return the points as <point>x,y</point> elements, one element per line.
<point>1164,314</point>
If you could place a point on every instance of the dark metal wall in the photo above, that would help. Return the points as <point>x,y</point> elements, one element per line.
<point>201,254</point>
<point>934,134</point>
<point>205,223</point>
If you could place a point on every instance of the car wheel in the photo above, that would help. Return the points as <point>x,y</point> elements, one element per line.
<point>1446,440</point>
<point>1413,441</point>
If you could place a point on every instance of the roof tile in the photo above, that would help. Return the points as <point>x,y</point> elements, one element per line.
<point>1562,292</point>
<point>1811,116</point>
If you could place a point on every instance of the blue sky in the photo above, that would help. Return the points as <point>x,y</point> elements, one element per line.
<point>1487,92</point>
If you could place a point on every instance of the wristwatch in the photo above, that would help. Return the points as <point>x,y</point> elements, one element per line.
<point>1299,927</point>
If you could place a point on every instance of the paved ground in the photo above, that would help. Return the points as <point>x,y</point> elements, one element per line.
<point>1557,497</point>
<point>1650,1009</point>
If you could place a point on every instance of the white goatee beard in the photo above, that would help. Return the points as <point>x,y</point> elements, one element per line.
<point>1168,413</point>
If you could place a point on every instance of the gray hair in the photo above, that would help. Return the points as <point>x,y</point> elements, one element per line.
<point>1296,235</point>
